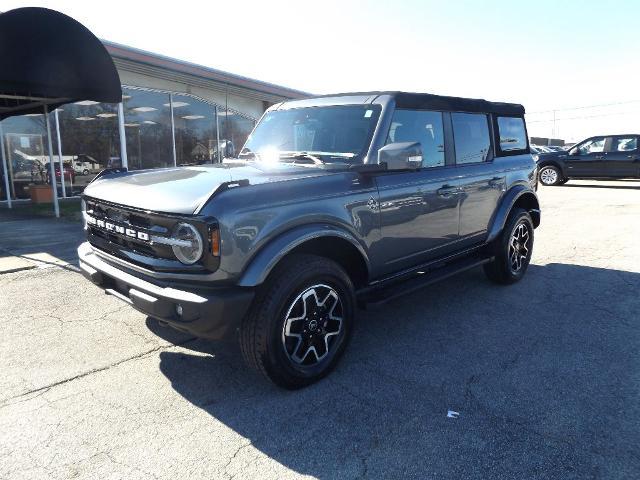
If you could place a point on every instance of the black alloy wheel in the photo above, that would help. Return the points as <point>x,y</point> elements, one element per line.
<point>300,321</point>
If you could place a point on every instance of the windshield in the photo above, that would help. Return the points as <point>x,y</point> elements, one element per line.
<point>322,134</point>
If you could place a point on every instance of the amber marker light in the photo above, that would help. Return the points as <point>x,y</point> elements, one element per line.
<point>215,241</point>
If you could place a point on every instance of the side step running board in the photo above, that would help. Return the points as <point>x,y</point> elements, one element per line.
<point>379,295</point>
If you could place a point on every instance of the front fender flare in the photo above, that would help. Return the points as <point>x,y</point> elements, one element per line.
<point>275,250</point>
<point>506,205</point>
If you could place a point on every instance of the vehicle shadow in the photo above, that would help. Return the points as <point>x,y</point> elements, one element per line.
<point>543,375</point>
<point>44,240</point>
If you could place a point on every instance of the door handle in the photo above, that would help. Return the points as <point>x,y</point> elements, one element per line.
<point>448,191</point>
<point>633,157</point>
<point>496,182</point>
<point>599,157</point>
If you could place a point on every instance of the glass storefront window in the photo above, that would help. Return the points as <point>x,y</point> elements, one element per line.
<point>147,121</point>
<point>195,131</point>
<point>90,138</point>
<point>234,131</point>
<point>25,144</point>
<point>90,141</point>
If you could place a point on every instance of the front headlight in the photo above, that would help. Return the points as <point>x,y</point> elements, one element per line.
<point>189,246</point>
<point>536,158</point>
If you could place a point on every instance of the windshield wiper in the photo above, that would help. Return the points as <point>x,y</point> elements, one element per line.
<point>303,156</point>
<point>246,153</point>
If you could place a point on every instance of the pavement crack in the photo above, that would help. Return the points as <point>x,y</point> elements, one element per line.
<point>44,389</point>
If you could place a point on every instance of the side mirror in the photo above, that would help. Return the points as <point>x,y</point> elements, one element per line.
<point>573,151</point>
<point>401,156</point>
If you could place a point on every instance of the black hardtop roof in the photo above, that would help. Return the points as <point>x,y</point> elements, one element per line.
<point>440,102</point>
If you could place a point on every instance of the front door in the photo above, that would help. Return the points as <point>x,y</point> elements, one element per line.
<point>587,159</point>
<point>418,209</point>
<point>623,158</point>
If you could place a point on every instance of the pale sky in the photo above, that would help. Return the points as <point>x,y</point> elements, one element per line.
<point>544,54</point>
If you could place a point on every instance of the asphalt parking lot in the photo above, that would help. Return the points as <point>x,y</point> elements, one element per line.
<point>544,375</point>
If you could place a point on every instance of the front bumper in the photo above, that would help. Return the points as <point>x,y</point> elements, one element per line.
<point>204,312</point>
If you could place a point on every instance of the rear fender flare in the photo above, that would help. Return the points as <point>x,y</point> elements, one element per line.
<point>519,193</point>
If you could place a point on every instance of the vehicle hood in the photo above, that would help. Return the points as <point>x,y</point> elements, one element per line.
<point>550,156</point>
<point>183,190</point>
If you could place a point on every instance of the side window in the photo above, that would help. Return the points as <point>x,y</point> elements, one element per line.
<point>513,135</point>
<point>595,145</point>
<point>625,144</point>
<point>420,126</point>
<point>471,137</point>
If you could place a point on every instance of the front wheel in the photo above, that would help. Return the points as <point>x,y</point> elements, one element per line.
<point>512,250</point>
<point>551,175</point>
<point>300,322</point>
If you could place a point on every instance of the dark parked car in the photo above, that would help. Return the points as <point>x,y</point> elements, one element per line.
<point>612,156</point>
<point>334,202</point>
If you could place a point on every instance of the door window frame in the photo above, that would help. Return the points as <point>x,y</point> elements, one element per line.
<point>449,160</point>
<point>616,138</point>
<point>491,154</point>
<point>496,136</point>
<point>606,148</point>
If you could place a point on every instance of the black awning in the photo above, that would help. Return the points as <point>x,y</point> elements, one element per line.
<point>48,58</point>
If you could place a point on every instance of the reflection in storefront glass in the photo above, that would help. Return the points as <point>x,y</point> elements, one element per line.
<point>26,154</point>
<point>90,139</point>
<point>147,121</point>
<point>234,131</point>
<point>195,130</point>
<point>90,142</point>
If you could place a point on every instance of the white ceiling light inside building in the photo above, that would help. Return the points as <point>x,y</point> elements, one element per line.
<point>86,102</point>
<point>144,109</point>
<point>107,115</point>
<point>149,122</point>
<point>131,124</point>
<point>176,104</point>
<point>193,117</point>
<point>85,119</point>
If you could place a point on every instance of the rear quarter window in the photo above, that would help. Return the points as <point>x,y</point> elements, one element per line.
<point>513,134</point>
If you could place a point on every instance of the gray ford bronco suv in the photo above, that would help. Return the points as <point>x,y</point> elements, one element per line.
<point>334,202</point>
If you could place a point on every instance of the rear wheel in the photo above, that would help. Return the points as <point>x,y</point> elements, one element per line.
<point>300,322</point>
<point>512,250</point>
<point>551,175</point>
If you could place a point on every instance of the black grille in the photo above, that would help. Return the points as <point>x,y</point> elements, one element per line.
<point>120,245</point>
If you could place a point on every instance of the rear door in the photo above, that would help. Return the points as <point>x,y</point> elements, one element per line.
<point>622,160</point>
<point>587,158</point>
<point>480,180</point>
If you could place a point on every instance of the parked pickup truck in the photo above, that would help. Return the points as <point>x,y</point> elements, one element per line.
<point>333,203</point>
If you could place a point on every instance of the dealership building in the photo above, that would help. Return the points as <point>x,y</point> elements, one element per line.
<point>172,113</point>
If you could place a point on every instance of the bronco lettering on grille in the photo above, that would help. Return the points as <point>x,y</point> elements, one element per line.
<point>118,229</point>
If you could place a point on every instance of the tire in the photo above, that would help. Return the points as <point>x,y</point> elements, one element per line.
<point>550,175</point>
<point>306,304</point>
<point>512,250</point>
